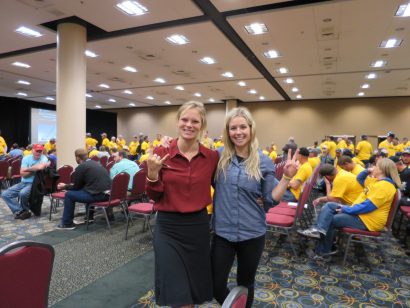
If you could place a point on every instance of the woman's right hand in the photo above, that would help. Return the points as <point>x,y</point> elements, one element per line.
<point>154,165</point>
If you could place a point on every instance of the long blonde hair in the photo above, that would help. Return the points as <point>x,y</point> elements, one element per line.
<point>252,163</point>
<point>202,112</point>
<point>389,169</point>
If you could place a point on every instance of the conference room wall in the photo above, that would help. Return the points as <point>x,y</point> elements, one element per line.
<point>307,120</point>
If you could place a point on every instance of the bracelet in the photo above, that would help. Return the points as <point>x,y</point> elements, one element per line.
<point>287,178</point>
<point>152,181</point>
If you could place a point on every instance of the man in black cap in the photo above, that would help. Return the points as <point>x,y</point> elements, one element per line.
<point>388,144</point>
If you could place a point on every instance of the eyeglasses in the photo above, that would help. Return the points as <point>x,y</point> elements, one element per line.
<point>39,151</point>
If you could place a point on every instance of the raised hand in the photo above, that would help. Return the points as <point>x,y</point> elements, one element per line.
<point>291,166</point>
<point>154,165</point>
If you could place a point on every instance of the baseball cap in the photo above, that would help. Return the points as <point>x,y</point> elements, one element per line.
<point>88,134</point>
<point>304,152</point>
<point>395,159</point>
<point>406,150</point>
<point>38,147</point>
<point>391,134</point>
<point>339,150</point>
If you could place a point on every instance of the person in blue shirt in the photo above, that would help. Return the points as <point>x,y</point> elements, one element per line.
<point>243,179</point>
<point>15,151</point>
<point>21,191</point>
<point>123,164</point>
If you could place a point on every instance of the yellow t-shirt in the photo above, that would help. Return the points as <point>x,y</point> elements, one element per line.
<point>346,187</point>
<point>342,144</point>
<point>365,150</point>
<point>105,142</point>
<point>331,145</point>
<point>304,172</point>
<point>314,162</point>
<point>336,165</point>
<point>218,144</point>
<point>3,146</point>
<point>144,146</point>
<point>357,169</point>
<point>207,142</point>
<point>388,146</point>
<point>133,147</point>
<point>358,161</point>
<point>381,194</point>
<point>351,147</point>
<point>49,146</point>
<point>273,155</point>
<point>112,145</point>
<point>143,157</point>
<point>121,143</point>
<point>265,152</point>
<point>210,207</point>
<point>156,143</point>
<point>27,152</point>
<point>90,142</point>
<point>93,153</point>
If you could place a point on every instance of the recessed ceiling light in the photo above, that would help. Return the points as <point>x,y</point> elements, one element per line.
<point>391,43</point>
<point>103,85</point>
<point>227,74</point>
<point>20,64</point>
<point>21,94</point>
<point>130,69</point>
<point>28,32</point>
<point>360,94</point>
<point>90,54</point>
<point>252,91</point>
<point>208,60</point>
<point>261,98</point>
<point>167,102</point>
<point>127,92</point>
<point>211,100</point>
<point>378,63</point>
<point>177,39</point>
<point>365,86</point>
<point>403,10</point>
<point>160,80</point>
<point>88,95</point>
<point>132,8</point>
<point>289,80</point>
<point>298,96</point>
<point>180,88</point>
<point>295,89</point>
<point>98,106</point>
<point>49,98</point>
<point>242,83</point>
<point>256,28</point>
<point>271,54</point>
<point>150,97</point>
<point>112,100</point>
<point>371,76</point>
<point>282,70</point>
<point>197,94</point>
<point>24,82</point>
<point>131,104</point>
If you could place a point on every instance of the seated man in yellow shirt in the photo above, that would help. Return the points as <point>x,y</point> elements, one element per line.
<point>345,162</point>
<point>303,174</point>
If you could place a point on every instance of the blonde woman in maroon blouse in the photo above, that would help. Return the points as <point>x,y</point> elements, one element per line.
<point>178,180</point>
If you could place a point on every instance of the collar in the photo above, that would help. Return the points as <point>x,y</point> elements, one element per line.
<point>173,149</point>
<point>389,180</point>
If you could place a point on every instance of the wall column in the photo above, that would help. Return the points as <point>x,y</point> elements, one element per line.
<point>71,88</point>
<point>231,104</point>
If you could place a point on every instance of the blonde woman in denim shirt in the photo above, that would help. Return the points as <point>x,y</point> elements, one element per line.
<point>244,176</point>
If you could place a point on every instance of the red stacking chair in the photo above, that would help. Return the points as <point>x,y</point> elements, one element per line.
<point>236,298</point>
<point>110,159</point>
<point>4,170</point>
<point>118,197</point>
<point>138,187</point>
<point>279,170</point>
<point>15,171</point>
<point>65,176</point>
<point>103,160</point>
<point>95,158</point>
<point>283,223</point>
<point>109,166</point>
<point>355,235</point>
<point>28,265</point>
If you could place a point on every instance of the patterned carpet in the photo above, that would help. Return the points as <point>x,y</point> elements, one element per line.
<point>368,280</point>
<point>81,256</point>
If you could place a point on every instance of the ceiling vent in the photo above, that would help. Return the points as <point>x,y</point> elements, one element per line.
<point>117,79</point>
<point>37,4</point>
<point>328,33</point>
<point>148,56</point>
<point>182,73</point>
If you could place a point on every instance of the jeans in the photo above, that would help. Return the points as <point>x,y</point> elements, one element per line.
<point>288,196</point>
<point>222,256</point>
<point>329,220</point>
<point>21,190</point>
<point>73,196</point>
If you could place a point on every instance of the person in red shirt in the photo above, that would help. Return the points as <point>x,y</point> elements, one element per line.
<point>178,180</point>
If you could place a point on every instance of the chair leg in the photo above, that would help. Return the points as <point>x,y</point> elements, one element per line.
<point>128,223</point>
<point>347,248</point>
<point>51,209</point>
<point>106,218</point>
<point>291,243</point>
<point>149,226</point>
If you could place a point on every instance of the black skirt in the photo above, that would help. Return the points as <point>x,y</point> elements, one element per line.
<point>182,259</point>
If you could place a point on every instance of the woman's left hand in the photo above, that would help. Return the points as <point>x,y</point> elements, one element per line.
<point>291,166</point>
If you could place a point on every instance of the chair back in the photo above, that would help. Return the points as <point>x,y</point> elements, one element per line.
<point>25,268</point>
<point>278,159</point>
<point>103,160</point>
<point>109,166</point>
<point>119,186</point>
<point>15,167</point>
<point>315,174</point>
<point>236,298</point>
<point>138,183</point>
<point>110,159</point>
<point>303,198</point>
<point>4,168</point>
<point>393,210</point>
<point>279,170</point>
<point>65,174</point>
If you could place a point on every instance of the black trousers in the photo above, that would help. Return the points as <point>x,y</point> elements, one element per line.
<point>223,253</point>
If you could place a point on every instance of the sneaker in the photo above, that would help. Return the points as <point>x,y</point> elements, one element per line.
<point>23,215</point>
<point>66,227</point>
<point>311,232</point>
<point>82,220</point>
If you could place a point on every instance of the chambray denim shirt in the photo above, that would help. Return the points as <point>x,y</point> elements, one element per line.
<point>237,216</point>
